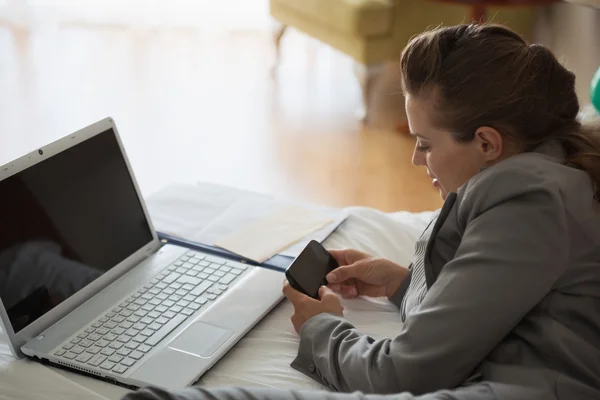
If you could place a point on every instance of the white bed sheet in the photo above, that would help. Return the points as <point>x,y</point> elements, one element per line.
<point>263,356</point>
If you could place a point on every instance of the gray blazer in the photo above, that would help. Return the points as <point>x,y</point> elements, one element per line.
<point>513,307</point>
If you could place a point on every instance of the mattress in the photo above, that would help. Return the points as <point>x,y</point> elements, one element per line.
<point>262,358</point>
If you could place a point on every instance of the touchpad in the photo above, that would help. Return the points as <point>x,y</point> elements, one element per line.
<point>201,339</point>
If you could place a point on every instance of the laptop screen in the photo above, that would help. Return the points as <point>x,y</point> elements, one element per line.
<point>64,222</point>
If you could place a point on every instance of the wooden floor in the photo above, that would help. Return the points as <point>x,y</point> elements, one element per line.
<point>194,101</point>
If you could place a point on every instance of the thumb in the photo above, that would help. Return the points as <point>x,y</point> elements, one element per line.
<point>325,291</point>
<point>345,272</point>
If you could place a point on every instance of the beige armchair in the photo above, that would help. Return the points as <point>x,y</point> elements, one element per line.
<point>374,32</point>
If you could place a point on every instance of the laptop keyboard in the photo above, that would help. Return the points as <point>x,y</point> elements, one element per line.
<point>119,339</point>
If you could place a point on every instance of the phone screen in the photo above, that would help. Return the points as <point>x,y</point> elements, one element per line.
<point>307,272</point>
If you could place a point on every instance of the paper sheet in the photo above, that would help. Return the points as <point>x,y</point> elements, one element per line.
<point>205,213</point>
<point>264,237</point>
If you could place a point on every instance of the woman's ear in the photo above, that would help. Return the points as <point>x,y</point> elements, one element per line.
<point>490,143</point>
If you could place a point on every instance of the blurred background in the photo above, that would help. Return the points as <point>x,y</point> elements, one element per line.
<point>200,91</point>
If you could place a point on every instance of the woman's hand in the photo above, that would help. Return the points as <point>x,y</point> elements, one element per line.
<point>362,275</point>
<point>306,307</point>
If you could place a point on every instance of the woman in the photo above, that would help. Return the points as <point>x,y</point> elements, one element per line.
<point>502,299</point>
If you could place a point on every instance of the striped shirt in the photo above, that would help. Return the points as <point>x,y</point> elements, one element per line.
<point>417,288</point>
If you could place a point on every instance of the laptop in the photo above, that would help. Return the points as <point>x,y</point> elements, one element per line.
<point>86,284</point>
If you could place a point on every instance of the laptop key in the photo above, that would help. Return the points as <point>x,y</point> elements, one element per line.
<point>94,350</point>
<point>227,279</point>
<point>187,311</point>
<point>119,319</point>
<point>142,313</point>
<point>139,302</point>
<point>219,273</point>
<point>165,330</point>
<point>119,330</point>
<point>237,265</point>
<point>161,309</point>
<point>211,296</point>
<point>75,341</point>
<point>89,330</point>
<point>132,332</point>
<point>188,279</point>
<point>102,343</point>
<point>140,326</point>
<point>154,291</point>
<point>126,313</point>
<point>103,319</point>
<point>191,273</point>
<point>147,296</point>
<point>225,268</point>
<point>102,331</point>
<point>172,277</point>
<point>209,270</point>
<point>84,357</point>
<point>194,306</point>
<point>77,349</point>
<point>153,315</point>
<point>140,338</point>
<point>115,345</point>
<point>175,297</point>
<point>213,278</point>
<point>70,356</point>
<point>147,332</point>
<point>132,345</point>
<point>162,320</point>
<point>68,346</point>
<point>115,358</point>
<point>144,348</point>
<point>124,338</point>
<point>133,319</point>
<point>236,271</point>
<point>162,296</point>
<point>176,309</point>
<point>128,362</point>
<point>97,360</point>
<point>110,324</point>
<point>133,307</point>
<point>119,369</point>
<point>202,300</point>
<point>168,291</point>
<point>161,285</point>
<point>110,314</point>
<point>168,303</point>
<point>110,337</point>
<point>176,285</point>
<point>154,302</point>
<point>181,270</point>
<point>154,326</point>
<point>183,303</point>
<point>146,321</point>
<point>107,352</point>
<point>82,335</point>
<point>107,365</point>
<point>201,288</point>
<point>123,352</point>
<point>136,355</point>
<point>126,325</point>
<point>181,292</point>
<point>215,260</point>
<point>86,343</point>
<point>203,275</point>
<point>59,352</point>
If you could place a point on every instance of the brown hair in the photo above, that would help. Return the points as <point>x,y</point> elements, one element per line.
<point>487,75</point>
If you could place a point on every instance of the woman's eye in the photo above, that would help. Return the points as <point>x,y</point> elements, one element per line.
<point>422,148</point>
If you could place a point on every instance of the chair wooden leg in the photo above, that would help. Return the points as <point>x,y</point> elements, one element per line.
<point>367,77</point>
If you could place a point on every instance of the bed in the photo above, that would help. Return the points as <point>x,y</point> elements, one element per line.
<point>263,356</point>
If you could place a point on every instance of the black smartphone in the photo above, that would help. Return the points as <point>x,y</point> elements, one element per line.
<point>308,271</point>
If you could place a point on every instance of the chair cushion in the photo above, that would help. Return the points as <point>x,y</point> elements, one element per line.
<point>357,17</point>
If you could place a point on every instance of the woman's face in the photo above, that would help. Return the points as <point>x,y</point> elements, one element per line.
<point>450,164</point>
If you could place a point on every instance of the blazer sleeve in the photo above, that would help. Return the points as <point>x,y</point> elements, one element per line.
<point>513,250</point>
